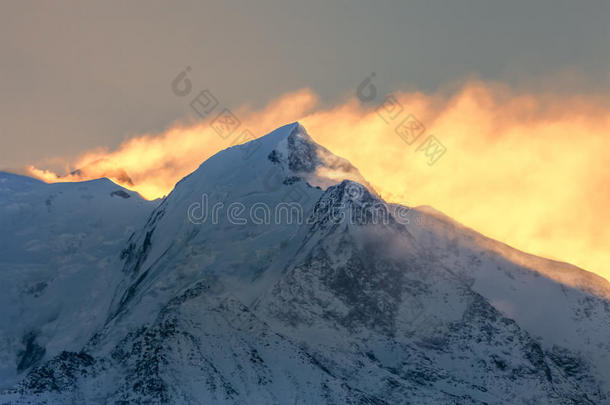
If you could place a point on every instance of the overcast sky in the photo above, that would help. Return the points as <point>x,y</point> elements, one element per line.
<point>76,76</point>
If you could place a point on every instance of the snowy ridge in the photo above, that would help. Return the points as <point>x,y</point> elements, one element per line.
<point>359,303</point>
<point>57,244</point>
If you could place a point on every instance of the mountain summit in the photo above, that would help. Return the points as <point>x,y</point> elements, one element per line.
<point>275,274</point>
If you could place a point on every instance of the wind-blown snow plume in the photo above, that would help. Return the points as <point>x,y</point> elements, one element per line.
<point>522,168</point>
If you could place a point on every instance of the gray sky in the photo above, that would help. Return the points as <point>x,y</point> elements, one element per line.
<point>75,76</point>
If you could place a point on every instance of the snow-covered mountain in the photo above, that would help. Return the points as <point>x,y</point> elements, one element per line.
<point>275,274</point>
<point>58,249</point>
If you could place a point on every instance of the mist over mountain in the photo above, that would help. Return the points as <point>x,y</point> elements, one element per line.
<point>275,273</point>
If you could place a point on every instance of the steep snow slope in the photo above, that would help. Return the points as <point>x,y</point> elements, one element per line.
<point>563,305</point>
<point>58,249</point>
<point>252,248</point>
<point>352,301</point>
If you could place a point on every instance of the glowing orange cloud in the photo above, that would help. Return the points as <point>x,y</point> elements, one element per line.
<point>152,164</point>
<point>529,170</point>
